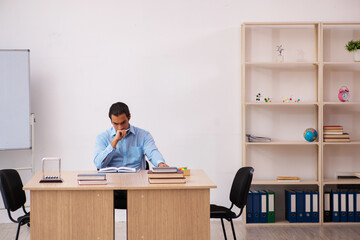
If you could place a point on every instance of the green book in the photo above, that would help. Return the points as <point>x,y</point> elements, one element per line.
<point>271,206</point>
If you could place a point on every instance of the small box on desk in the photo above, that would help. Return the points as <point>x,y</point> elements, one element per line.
<point>186,172</point>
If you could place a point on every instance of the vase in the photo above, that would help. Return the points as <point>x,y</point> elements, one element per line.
<point>357,55</point>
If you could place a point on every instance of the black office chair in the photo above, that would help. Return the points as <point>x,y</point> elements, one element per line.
<point>238,197</point>
<point>13,196</point>
<point>120,196</point>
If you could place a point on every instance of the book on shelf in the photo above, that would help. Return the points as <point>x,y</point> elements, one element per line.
<point>178,174</point>
<point>288,179</point>
<point>252,138</point>
<point>167,180</point>
<point>333,132</point>
<point>357,174</point>
<point>336,140</point>
<point>347,175</point>
<point>117,170</point>
<point>331,136</point>
<point>164,170</point>
<point>92,182</point>
<point>95,176</point>
<point>333,127</point>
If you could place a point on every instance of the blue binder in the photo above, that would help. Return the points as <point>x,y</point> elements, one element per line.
<point>300,206</point>
<point>357,206</point>
<point>263,207</point>
<point>308,207</point>
<point>290,206</point>
<point>249,211</point>
<point>351,206</point>
<point>315,206</point>
<point>335,206</point>
<point>256,206</point>
<point>343,206</point>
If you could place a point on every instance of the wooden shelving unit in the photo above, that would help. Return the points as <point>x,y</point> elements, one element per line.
<point>315,66</point>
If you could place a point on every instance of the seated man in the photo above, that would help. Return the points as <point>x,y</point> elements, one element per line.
<point>124,145</point>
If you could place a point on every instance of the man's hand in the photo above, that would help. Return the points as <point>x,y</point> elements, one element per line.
<point>120,134</point>
<point>163,165</point>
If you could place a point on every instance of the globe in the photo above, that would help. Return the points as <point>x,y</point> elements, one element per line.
<point>310,134</point>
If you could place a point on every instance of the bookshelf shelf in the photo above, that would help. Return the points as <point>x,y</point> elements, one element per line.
<point>340,181</point>
<point>283,104</point>
<point>275,182</point>
<point>303,143</point>
<point>314,67</point>
<point>352,142</point>
<point>283,65</point>
<point>342,103</point>
<point>281,223</point>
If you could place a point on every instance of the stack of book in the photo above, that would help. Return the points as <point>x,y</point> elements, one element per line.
<point>335,133</point>
<point>166,175</point>
<point>252,138</point>
<point>92,179</point>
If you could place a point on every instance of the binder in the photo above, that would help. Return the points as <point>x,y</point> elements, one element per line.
<point>335,206</point>
<point>315,206</point>
<point>263,209</point>
<point>357,207</point>
<point>327,207</point>
<point>300,206</point>
<point>290,206</point>
<point>343,206</point>
<point>256,206</point>
<point>271,206</point>
<point>307,207</point>
<point>351,206</point>
<point>249,211</point>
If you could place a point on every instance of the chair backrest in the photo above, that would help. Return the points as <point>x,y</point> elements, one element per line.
<point>241,186</point>
<point>12,189</point>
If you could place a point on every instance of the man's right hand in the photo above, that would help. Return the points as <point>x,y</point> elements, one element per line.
<point>120,134</point>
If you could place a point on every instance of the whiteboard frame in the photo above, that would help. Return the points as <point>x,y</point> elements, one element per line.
<point>31,117</point>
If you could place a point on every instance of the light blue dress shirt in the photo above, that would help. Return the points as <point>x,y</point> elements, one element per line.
<point>129,152</point>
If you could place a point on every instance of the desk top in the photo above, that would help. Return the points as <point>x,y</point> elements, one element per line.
<point>126,181</point>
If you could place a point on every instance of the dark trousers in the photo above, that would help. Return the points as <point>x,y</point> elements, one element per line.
<point>120,199</point>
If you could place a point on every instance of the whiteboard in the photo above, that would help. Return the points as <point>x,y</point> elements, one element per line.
<point>15,128</point>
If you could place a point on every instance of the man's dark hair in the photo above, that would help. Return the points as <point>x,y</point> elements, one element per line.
<point>118,109</point>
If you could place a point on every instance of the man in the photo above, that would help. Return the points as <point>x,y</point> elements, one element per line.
<point>124,145</point>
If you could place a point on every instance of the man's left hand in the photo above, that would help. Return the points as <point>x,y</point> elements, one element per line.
<point>163,165</point>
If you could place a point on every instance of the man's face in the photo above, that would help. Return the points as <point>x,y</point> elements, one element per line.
<point>120,122</point>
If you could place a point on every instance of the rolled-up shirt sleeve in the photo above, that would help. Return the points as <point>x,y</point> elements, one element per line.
<point>151,151</point>
<point>103,150</point>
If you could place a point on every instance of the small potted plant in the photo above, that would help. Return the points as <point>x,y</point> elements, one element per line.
<point>354,46</point>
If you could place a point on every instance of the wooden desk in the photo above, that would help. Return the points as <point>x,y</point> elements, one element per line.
<point>161,211</point>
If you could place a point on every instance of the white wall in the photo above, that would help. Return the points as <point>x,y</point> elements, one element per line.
<point>175,63</point>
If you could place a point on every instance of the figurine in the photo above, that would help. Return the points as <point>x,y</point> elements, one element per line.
<point>280,56</point>
<point>258,96</point>
<point>267,99</point>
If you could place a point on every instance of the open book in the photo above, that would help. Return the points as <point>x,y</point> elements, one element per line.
<point>119,170</point>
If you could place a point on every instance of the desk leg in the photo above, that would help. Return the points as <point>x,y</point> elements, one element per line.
<point>72,215</point>
<point>168,214</point>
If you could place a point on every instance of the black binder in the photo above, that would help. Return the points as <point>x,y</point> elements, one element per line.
<point>327,207</point>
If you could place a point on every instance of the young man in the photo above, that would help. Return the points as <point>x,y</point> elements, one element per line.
<point>124,145</point>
